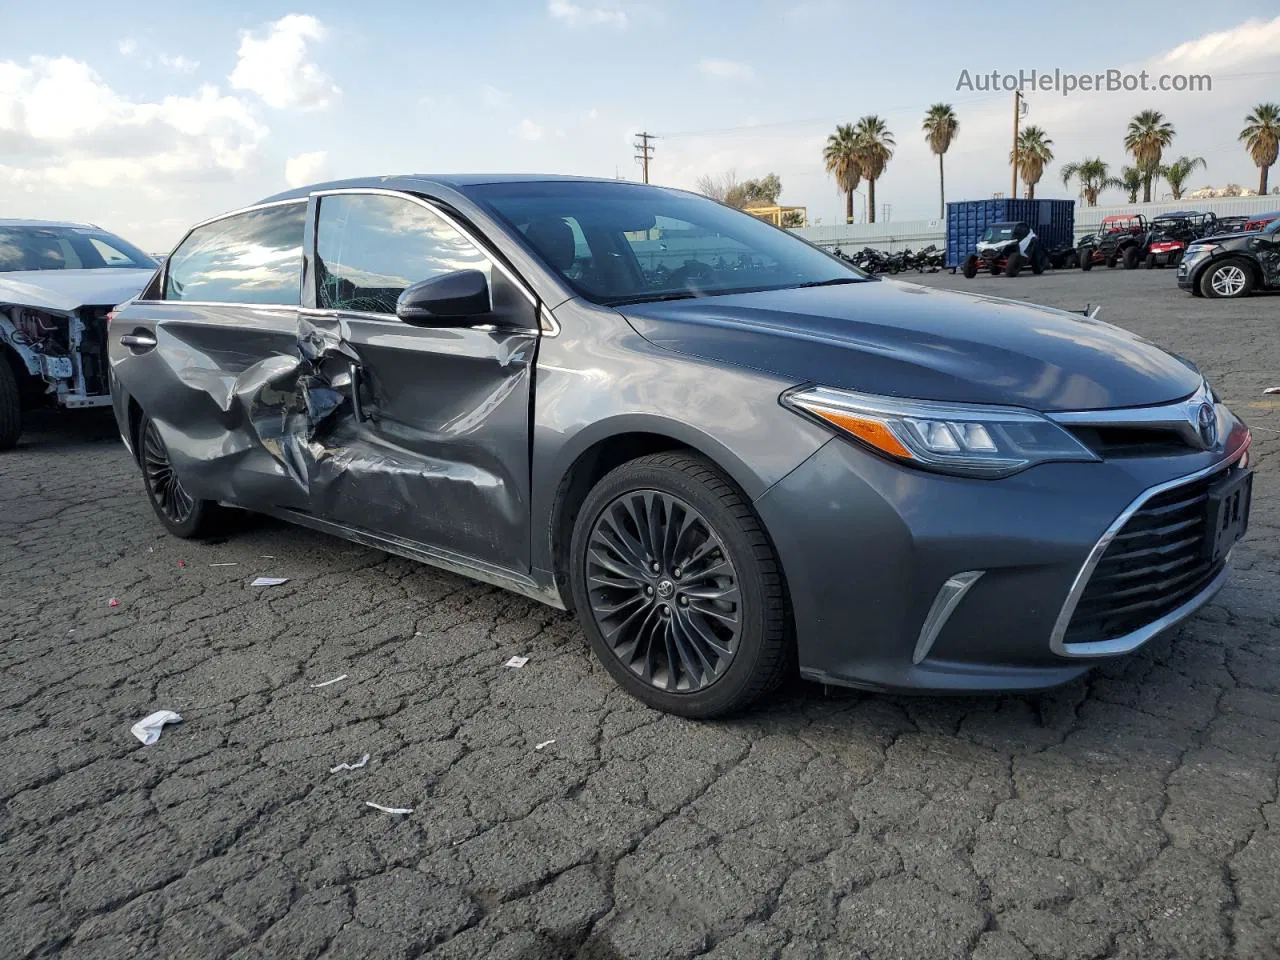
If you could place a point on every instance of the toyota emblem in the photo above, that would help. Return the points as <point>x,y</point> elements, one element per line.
<point>1207,425</point>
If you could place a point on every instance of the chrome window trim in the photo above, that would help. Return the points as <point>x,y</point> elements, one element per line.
<point>437,211</point>
<point>944,605</point>
<point>235,213</point>
<point>242,305</point>
<point>547,322</point>
<point>1131,641</point>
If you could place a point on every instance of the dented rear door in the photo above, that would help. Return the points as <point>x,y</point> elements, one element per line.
<point>427,434</point>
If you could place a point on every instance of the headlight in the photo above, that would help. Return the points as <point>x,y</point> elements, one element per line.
<point>958,438</point>
<point>1196,252</point>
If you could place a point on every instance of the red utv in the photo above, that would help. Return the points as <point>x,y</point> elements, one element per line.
<point>1115,235</point>
<point>1168,238</point>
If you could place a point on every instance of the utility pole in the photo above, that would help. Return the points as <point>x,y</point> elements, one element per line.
<point>646,152</point>
<point>1017,114</point>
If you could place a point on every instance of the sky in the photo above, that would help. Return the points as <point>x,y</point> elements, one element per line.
<point>146,119</point>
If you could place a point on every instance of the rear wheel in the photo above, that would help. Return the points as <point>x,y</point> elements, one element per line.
<point>1228,279</point>
<point>1130,258</point>
<point>1111,262</point>
<point>1150,262</point>
<point>970,266</point>
<point>10,406</point>
<point>678,588</point>
<point>182,515</point>
<point>1013,265</point>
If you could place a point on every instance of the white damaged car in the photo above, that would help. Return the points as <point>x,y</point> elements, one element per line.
<point>58,282</point>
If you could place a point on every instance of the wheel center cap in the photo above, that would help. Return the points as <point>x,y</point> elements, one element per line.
<point>666,589</point>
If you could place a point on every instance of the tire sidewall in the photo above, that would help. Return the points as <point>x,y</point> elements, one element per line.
<point>194,523</point>
<point>10,405</point>
<point>728,691</point>
<point>1206,280</point>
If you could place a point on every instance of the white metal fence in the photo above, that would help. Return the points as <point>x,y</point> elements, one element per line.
<point>915,234</point>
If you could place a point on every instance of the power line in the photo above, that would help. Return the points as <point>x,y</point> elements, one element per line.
<point>646,152</point>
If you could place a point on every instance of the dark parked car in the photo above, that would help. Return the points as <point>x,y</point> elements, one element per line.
<point>1232,264</point>
<point>725,449</point>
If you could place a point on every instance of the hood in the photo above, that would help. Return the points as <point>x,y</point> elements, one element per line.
<point>904,340</point>
<point>65,290</point>
<point>1224,237</point>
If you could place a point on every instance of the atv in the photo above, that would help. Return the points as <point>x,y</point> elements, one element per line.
<point>1006,248</point>
<point>1168,238</point>
<point>1115,235</point>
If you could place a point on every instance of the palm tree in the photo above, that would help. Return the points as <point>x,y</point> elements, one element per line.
<point>841,159</point>
<point>940,128</point>
<point>1031,154</point>
<point>874,150</point>
<point>1094,176</point>
<point>1178,172</point>
<point>1261,136</point>
<point>1131,181</point>
<point>1147,136</point>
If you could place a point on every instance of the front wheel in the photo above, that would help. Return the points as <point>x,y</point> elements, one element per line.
<point>10,406</point>
<point>180,513</point>
<point>1013,265</point>
<point>1086,260</point>
<point>1131,258</point>
<point>678,588</point>
<point>970,266</point>
<point>1228,279</point>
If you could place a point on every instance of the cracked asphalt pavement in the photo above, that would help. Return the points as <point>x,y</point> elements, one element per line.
<point>1132,814</point>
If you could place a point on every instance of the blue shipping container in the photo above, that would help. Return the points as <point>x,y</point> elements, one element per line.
<point>1054,222</point>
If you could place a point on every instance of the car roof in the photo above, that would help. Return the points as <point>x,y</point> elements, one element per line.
<point>7,222</point>
<point>419,181</point>
<point>1006,223</point>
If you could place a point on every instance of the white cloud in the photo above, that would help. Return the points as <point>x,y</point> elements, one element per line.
<point>526,129</point>
<point>578,16</point>
<point>591,115</point>
<point>127,46</point>
<point>494,97</point>
<point>62,125</point>
<point>726,69</point>
<point>275,65</point>
<point>178,63</point>
<point>305,168</point>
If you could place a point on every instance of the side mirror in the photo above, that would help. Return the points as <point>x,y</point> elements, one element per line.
<point>449,300</point>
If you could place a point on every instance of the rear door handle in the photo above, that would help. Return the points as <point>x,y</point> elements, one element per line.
<point>138,342</point>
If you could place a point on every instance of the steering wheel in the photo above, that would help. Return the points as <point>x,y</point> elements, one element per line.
<point>695,271</point>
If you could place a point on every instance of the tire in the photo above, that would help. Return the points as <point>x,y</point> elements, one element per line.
<point>10,405</point>
<point>1013,265</point>
<point>1227,279</point>
<point>1130,258</point>
<point>177,511</point>
<point>1111,262</point>
<point>994,268</point>
<point>1150,262</point>
<point>1086,261</point>
<point>1038,262</point>
<point>665,486</point>
<point>970,266</point>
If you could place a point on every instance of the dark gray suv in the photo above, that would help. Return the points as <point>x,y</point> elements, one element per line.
<point>727,451</point>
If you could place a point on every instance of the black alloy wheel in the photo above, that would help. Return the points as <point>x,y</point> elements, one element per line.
<point>663,591</point>
<point>182,515</point>
<point>678,587</point>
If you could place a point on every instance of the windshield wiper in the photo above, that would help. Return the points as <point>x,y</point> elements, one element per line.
<point>829,283</point>
<point>654,298</point>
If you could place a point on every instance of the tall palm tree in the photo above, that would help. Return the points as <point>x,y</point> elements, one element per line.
<point>940,128</point>
<point>1178,172</point>
<point>1131,181</point>
<point>1261,135</point>
<point>1094,176</point>
<point>841,158</point>
<point>1032,153</point>
<point>874,150</point>
<point>1147,136</point>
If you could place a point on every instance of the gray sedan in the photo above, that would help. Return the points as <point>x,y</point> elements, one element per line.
<point>727,451</point>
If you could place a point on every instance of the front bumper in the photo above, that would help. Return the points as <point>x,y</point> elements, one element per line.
<point>872,551</point>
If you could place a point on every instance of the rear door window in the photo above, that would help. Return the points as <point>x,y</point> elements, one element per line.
<point>369,247</point>
<point>252,257</point>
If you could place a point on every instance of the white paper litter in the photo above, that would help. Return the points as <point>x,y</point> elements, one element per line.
<point>269,581</point>
<point>516,662</point>
<point>351,766</point>
<point>148,728</point>
<point>1272,390</point>
<point>317,686</point>
<point>224,564</point>
<point>378,806</point>
<point>543,745</point>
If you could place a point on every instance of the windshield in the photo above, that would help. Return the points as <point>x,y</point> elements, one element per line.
<point>998,231</point>
<point>626,243</point>
<point>66,248</point>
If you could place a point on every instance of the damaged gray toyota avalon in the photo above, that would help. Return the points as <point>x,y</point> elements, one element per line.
<point>727,451</point>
